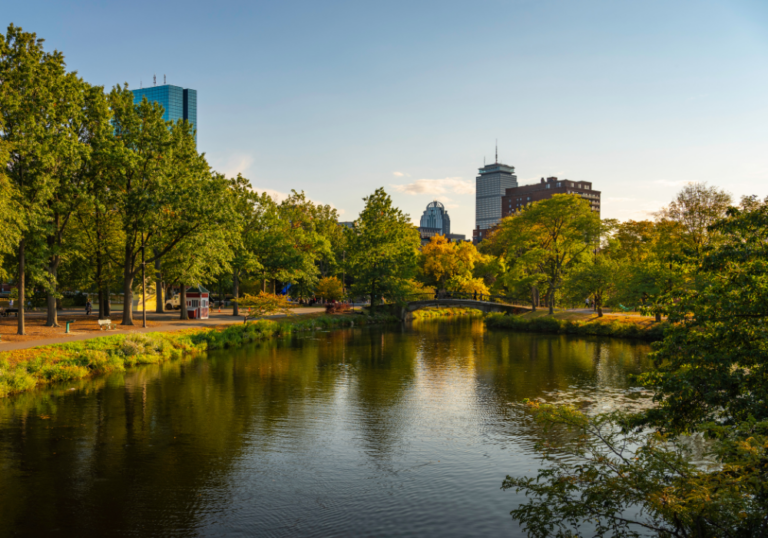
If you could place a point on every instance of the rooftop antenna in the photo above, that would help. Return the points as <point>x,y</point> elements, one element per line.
<point>163,79</point>
<point>154,80</point>
<point>141,84</point>
<point>497,151</point>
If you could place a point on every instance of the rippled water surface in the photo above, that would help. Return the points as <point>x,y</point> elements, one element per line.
<point>405,431</point>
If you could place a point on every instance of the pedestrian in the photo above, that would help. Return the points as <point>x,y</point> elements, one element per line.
<point>475,295</point>
<point>587,302</point>
<point>88,307</point>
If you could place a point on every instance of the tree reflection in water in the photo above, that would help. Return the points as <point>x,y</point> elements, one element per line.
<point>405,430</point>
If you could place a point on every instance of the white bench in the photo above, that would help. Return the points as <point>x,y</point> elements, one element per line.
<point>105,323</point>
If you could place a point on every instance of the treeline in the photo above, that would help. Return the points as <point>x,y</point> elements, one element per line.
<point>559,252</point>
<point>97,190</point>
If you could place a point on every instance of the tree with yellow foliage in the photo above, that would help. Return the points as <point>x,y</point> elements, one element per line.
<point>329,288</point>
<point>449,266</point>
<point>265,304</point>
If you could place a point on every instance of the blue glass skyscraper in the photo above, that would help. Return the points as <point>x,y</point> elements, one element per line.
<point>179,103</point>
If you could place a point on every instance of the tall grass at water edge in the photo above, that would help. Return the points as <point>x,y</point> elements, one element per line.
<point>23,370</point>
<point>615,328</point>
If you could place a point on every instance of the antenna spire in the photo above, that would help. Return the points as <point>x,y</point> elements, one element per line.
<point>154,80</point>
<point>497,151</point>
<point>163,79</point>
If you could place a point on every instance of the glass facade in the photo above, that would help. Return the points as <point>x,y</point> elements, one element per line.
<point>178,103</point>
<point>490,186</point>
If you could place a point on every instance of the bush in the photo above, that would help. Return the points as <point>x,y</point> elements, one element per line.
<point>337,308</point>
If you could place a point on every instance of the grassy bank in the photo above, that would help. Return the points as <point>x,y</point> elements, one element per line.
<point>639,328</point>
<point>26,369</point>
<point>431,313</point>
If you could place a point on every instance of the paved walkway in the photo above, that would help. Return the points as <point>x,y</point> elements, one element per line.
<point>162,323</point>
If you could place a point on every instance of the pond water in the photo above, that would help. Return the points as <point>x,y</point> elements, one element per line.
<point>398,431</point>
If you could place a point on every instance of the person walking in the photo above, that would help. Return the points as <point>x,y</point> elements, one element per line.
<point>88,307</point>
<point>587,302</point>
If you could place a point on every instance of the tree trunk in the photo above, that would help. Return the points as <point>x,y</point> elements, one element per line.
<point>551,301</point>
<point>107,306</point>
<point>235,292</point>
<point>183,302</point>
<point>52,317</point>
<point>159,301</point>
<point>599,305</point>
<point>533,298</point>
<point>658,317</point>
<point>21,284</point>
<point>127,287</point>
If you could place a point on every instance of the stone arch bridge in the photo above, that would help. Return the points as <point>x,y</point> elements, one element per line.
<point>493,305</point>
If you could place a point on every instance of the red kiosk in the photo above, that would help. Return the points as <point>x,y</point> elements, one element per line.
<point>197,302</point>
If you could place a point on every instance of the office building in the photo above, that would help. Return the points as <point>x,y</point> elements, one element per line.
<point>178,103</point>
<point>435,216</point>
<point>435,221</point>
<point>516,198</point>
<point>490,186</point>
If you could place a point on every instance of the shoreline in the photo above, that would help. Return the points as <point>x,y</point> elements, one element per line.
<point>23,370</point>
<point>550,325</point>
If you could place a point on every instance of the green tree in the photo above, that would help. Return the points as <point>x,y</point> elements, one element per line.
<point>35,87</point>
<point>162,185</point>
<point>546,239</point>
<point>208,249</point>
<point>695,208</point>
<point>382,249</point>
<point>625,473</point>
<point>594,278</point>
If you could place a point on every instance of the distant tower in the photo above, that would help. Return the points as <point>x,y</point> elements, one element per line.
<point>178,103</point>
<point>436,217</point>
<point>490,186</point>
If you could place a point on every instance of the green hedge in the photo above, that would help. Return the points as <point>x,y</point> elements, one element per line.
<point>594,328</point>
<point>25,369</point>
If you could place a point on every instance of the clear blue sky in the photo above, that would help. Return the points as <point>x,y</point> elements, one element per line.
<point>340,97</point>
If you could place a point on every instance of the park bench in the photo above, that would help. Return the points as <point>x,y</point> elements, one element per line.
<point>105,324</point>
<point>5,312</point>
<point>625,308</point>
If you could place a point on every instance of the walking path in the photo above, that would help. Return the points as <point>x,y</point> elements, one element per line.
<point>161,323</point>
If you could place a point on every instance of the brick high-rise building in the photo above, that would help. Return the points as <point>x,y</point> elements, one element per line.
<point>518,197</point>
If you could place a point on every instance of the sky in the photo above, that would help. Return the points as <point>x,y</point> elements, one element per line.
<point>339,98</point>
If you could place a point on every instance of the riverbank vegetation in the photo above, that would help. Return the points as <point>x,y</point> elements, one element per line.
<point>625,474</point>
<point>620,327</point>
<point>26,369</point>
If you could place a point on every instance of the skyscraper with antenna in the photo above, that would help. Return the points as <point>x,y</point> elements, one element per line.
<point>490,186</point>
<point>177,102</point>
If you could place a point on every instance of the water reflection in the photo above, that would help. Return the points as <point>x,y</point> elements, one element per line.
<point>401,431</point>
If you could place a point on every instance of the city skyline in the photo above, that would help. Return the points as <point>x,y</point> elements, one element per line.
<point>637,99</point>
